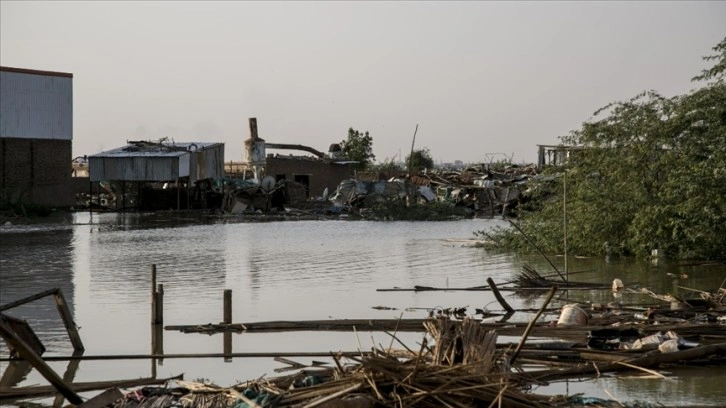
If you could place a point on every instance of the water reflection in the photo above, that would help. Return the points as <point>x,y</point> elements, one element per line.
<point>277,271</point>
<point>32,260</point>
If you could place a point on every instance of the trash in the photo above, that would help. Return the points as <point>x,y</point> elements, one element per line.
<point>668,346</point>
<point>617,285</point>
<point>648,341</point>
<point>572,315</point>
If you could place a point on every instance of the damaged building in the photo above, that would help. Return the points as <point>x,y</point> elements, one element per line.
<point>317,173</point>
<point>156,175</point>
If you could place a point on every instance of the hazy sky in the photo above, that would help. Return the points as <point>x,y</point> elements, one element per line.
<point>480,78</point>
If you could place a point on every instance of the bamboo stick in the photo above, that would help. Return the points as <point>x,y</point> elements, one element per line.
<point>531,324</point>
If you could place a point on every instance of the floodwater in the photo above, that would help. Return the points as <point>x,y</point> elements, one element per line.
<point>292,270</point>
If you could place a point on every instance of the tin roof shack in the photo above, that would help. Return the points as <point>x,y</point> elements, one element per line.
<point>139,174</point>
<point>36,136</point>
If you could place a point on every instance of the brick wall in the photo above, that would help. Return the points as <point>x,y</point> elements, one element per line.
<point>321,174</point>
<point>36,171</point>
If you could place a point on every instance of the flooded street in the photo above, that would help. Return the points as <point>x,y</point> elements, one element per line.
<point>301,270</point>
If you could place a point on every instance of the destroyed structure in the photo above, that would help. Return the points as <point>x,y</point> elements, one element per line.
<point>138,175</point>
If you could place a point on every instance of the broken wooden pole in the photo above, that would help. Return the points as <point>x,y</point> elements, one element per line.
<point>531,324</point>
<point>68,322</point>
<point>499,296</point>
<point>44,369</point>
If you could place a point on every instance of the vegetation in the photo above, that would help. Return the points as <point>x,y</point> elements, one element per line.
<point>359,147</point>
<point>646,173</point>
<point>395,209</point>
<point>419,160</point>
<point>388,165</point>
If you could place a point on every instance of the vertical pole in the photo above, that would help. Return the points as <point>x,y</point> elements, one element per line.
<point>153,293</point>
<point>227,319</point>
<point>123,195</point>
<point>68,322</point>
<point>90,197</point>
<point>178,194</point>
<point>564,224</point>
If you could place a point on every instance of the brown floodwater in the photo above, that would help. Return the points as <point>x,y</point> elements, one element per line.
<point>292,270</point>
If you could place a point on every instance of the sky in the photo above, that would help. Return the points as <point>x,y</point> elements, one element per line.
<point>482,80</point>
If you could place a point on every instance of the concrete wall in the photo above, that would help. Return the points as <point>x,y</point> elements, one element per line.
<point>35,171</point>
<point>321,174</point>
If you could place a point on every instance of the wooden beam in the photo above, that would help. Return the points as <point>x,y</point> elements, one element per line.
<point>68,322</point>
<point>28,299</point>
<point>28,354</point>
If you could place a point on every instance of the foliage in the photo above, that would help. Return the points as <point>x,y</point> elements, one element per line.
<point>716,73</point>
<point>647,173</point>
<point>358,147</point>
<point>419,160</point>
<point>388,165</point>
<point>395,209</point>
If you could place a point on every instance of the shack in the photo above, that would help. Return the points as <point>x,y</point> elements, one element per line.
<point>141,174</point>
<point>36,136</point>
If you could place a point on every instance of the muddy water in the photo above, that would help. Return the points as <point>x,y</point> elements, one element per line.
<point>289,271</point>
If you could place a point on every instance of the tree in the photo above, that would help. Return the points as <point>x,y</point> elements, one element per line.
<point>646,173</point>
<point>358,147</point>
<point>419,160</point>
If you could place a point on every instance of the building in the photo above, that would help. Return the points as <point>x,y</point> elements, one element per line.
<point>315,173</point>
<point>143,162</point>
<point>36,136</point>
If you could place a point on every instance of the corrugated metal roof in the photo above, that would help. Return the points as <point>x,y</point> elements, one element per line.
<point>36,72</point>
<point>151,161</point>
<point>144,149</point>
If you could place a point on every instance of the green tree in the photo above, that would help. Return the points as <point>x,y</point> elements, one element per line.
<point>647,173</point>
<point>359,147</point>
<point>419,160</point>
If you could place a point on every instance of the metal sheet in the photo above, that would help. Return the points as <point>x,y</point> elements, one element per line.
<point>196,160</point>
<point>35,106</point>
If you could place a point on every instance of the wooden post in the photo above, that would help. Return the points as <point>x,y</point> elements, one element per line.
<point>67,318</point>
<point>27,353</point>
<point>227,319</point>
<point>90,195</point>
<point>227,306</point>
<point>159,319</point>
<point>153,293</point>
